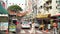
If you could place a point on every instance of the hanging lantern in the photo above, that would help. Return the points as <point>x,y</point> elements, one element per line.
<point>19,4</point>
<point>9,3</point>
<point>22,4</point>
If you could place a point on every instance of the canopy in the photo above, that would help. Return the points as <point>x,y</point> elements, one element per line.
<point>42,16</point>
<point>58,14</point>
<point>2,10</point>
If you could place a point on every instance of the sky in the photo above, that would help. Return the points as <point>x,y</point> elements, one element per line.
<point>21,3</point>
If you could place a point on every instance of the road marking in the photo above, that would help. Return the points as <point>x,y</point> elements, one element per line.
<point>22,31</point>
<point>46,32</point>
<point>29,31</point>
<point>39,31</point>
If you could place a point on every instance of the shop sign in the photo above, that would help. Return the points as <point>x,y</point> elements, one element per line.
<point>42,16</point>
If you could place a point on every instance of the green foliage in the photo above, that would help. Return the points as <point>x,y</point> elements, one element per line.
<point>15,8</point>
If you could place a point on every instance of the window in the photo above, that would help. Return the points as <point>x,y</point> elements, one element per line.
<point>50,7</point>
<point>58,9</point>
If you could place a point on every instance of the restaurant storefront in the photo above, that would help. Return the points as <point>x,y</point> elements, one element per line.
<point>43,19</point>
<point>3,19</point>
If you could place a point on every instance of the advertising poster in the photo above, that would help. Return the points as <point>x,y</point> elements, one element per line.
<point>12,28</point>
<point>3,25</point>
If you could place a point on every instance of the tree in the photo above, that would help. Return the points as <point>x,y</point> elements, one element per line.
<point>13,11</point>
<point>15,8</point>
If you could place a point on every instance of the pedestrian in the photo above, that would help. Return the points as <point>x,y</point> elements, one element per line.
<point>30,23</point>
<point>54,28</point>
<point>33,28</point>
<point>49,26</point>
<point>41,27</point>
<point>18,29</point>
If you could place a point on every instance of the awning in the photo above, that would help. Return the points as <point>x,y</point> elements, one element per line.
<point>53,17</point>
<point>2,10</point>
<point>4,15</point>
<point>58,14</point>
<point>42,16</point>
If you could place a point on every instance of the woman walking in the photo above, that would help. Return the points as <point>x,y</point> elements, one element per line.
<point>33,28</point>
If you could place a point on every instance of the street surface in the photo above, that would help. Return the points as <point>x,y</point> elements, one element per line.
<point>27,31</point>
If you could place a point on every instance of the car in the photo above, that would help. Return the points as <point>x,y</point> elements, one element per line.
<point>25,25</point>
<point>36,25</point>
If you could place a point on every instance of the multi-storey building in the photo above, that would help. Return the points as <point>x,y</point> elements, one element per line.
<point>49,6</point>
<point>58,5</point>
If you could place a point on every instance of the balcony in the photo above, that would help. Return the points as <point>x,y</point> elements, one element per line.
<point>57,0</point>
<point>58,5</point>
<point>46,5</point>
<point>49,2</point>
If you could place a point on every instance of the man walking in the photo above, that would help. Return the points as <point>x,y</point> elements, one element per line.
<point>54,28</point>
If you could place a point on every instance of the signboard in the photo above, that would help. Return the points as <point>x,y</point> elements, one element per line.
<point>12,28</point>
<point>42,16</point>
<point>3,25</point>
<point>3,19</point>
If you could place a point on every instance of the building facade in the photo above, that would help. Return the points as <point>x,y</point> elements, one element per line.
<point>48,7</point>
<point>58,5</point>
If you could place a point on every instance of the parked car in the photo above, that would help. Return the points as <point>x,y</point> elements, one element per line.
<point>25,25</point>
<point>36,25</point>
